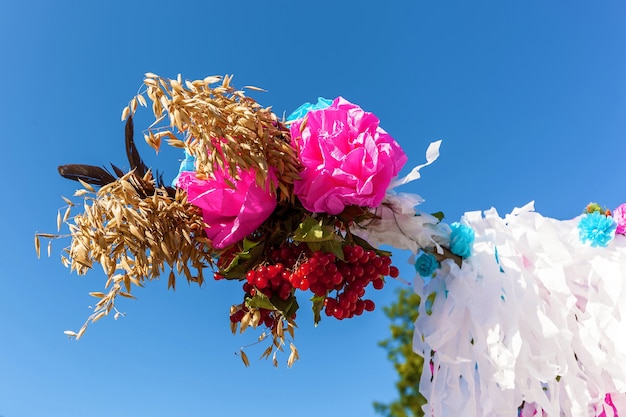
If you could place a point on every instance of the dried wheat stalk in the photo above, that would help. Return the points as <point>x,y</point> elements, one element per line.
<point>221,127</point>
<point>135,231</point>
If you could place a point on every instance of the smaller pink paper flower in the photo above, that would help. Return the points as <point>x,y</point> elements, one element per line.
<point>230,213</point>
<point>347,158</point>
<point>619,215</point>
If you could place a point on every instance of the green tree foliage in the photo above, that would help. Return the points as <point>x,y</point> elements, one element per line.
<point>407,363</point>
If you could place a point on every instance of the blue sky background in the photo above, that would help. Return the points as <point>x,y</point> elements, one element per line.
<point>529,99</point>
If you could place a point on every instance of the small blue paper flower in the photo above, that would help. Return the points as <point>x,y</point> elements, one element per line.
<point>301,111</point>
<point>461,240</point>
<point>186,165</point>
<point>597,229</point>
<point>425,265</point>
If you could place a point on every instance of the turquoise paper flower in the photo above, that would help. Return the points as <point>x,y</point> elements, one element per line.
<point>186,165</point>
<point>301,111</point>
<point>596,229</point>
<point>425,265</point>
<point>461,240</point>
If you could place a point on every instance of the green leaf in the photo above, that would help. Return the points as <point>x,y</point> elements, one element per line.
<point>260,300</point>
<point>314,246</point>
<point>244,260</point>
<point>334,246</point>
<point>318,305</point>
<point>288,307</point>
<point>366,245</point>
<point>313,230</point>
<point>249,245</point>
<point>439,215</point>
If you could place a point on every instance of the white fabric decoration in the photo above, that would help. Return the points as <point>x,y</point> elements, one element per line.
<point>533,317</point>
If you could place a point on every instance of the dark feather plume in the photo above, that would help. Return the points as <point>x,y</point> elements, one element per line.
<point>89,173</point>
<point>100,176</point>
<point>132,153</point>
<point>117,171</point>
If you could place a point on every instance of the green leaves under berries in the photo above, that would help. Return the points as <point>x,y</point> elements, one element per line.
<point>260,300</point>
<point>318,306</point>
<point>288,307</point>
<point>244,260</point>
<point>319,236</point>
<point>314,230</point>
<point>366,245</point>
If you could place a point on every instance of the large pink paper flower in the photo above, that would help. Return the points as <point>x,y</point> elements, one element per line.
<point>230,213</point>
<point>347,158</point>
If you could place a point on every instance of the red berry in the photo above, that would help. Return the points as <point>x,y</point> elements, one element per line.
<point>336,278</point>
<point>358,252</point>
<point>369,269</point>
<point>358,271</point>
<point>318,289</point>
<point>351,295</point>
<point>360,291</point>
<point>369,305</point>
<point>305,268</point>
<point>286,275</point>
<point>394,272</point>
<point>359,307</point>
<point>261,281</point>
<point>378,283</point>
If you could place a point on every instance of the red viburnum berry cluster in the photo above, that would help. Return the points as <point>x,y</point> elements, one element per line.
<point>294,266</point>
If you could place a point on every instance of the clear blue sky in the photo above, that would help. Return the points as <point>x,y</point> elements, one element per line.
<point>529,99</point>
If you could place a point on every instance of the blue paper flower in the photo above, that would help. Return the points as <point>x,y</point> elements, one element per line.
<point>461,240</point>
<point>425,265</point>
<point>301,111</point>
<point>597,229</point>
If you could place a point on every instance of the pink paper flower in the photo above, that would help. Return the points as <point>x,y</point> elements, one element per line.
<point>347,158</point>
<point>231,214</point>
<point>619,215</point>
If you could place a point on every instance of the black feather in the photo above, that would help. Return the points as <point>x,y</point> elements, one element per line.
<point>117,171</point>
<point>131,150</point>
<point>89,173</point>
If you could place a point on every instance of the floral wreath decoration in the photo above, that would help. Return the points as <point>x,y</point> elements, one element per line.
<point>520,315</point>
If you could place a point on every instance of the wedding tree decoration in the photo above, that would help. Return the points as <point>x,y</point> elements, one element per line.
<point>521,315</point>
<point>279,205</point>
